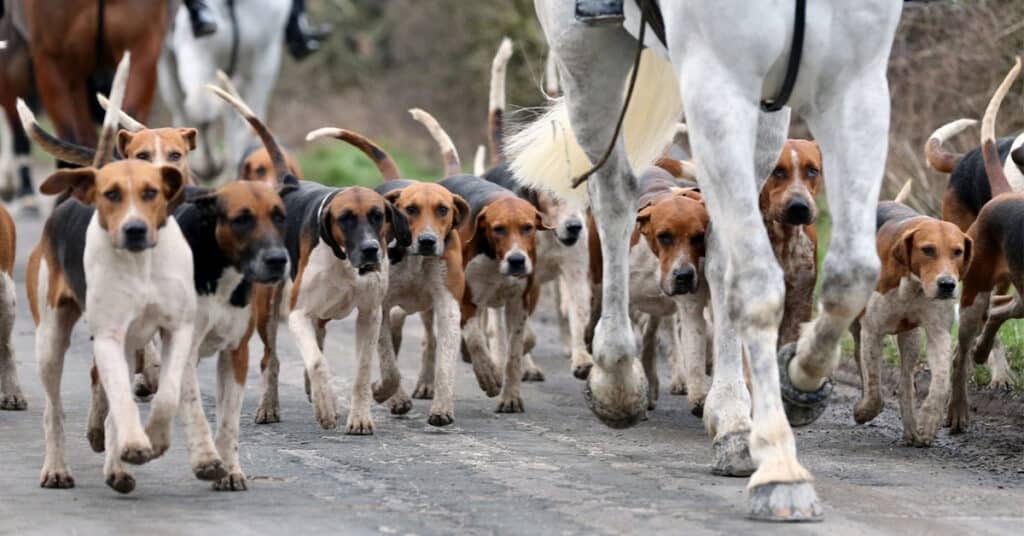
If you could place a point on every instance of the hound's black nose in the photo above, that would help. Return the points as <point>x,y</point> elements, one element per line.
<point>683,280</point>
<point>370,250</point>
<point>798,212</point>
<point>276,259</point>
<point>572,232</point>
<point>135,235</point>
<point>947,287</point>
<point>516,264</point>
<point>427,244</point>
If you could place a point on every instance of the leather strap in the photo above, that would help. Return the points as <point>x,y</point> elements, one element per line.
<point>324,229</point>
<point>793,67</point>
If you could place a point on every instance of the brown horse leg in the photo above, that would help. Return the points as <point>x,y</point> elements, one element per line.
<point>138,98</point>
<point>65,100</point>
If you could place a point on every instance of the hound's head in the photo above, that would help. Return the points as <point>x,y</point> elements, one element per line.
<point>258,167</point>
<point>250,225</point>
<point>788,195</point>
<point>132,198</point>
<point>674,228</point>
<point>937,253</point>
<point>161,146</point>
<point>356,222</point>
<point>506,230</point>
<point>564,217</point>
<point>433,214</point>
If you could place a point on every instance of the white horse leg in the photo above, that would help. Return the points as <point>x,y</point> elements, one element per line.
<point>852,131</point>
<point>594,63</point>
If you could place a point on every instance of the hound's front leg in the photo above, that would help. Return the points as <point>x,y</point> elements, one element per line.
<point>52,337</point>
<point>649,357</point>
<point>940,360</point>
<point>428,358</point>
<point>368,330</point>
<point>177,345</point>
<point>203,457</point>
<point>232,368</point>
<point>870,360</point>
<point>972,317</point>
<point>909,344</point>
<point>114,471</point>
<point>511,400</point>
<point>11,397</point>
<point>389,388</point>
<point>133,445</point>
<point>574,285</point>
<point>325,404</point>
<point>446,332</point>
<point>487,374</point>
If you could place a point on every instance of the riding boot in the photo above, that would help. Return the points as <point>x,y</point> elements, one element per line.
<point>302,37</point>
<point>201,17</point>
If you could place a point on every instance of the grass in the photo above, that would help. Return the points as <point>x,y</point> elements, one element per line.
<point>1011,334</point>
<point>340,165</point>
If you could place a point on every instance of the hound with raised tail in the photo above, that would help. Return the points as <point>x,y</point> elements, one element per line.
<point>717,62</point>
<point>116,237</point>
<point>998,262</point>
<point>562,256</point>
<point>425,277</point>
<point>923,260</point>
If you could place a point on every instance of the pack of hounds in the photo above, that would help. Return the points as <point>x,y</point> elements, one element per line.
<point>166,272</point>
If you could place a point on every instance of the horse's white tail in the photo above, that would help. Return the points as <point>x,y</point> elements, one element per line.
<point>542,156</point>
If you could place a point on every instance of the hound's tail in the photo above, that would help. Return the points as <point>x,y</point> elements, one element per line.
<point>127,122</point>
<point>938,157</point>
<point>541,156</point>
<point>452,165</point>
<point>388,168</point>
<point>479,160</point>
<point>269,143</point>
<point>496,113</point>
<point>904,192</point>
<point>997,180</point>
<point>108,134</point>
<point>78,155</point>
<point>680,169</point>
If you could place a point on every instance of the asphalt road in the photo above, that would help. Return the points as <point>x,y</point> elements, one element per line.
<point>551,470</point>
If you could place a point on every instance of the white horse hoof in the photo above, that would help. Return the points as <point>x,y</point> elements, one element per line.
<point>785,501</point>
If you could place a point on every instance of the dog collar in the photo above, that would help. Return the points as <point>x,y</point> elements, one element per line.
<point>324,229</point>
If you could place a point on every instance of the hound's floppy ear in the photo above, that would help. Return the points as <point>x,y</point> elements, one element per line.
<point>393,195</point>
<point>206,201</point>
<point>80,182</point>
<point>399,231</point>
<point>478,238</point>
<point>968,250</point>
<point>189,135</point>
<point>287,187</point>
<point>541,224</point>
<point>691,193</point>
<point>174,183</point>
<point>902,248</point>
<point>642,219</point>
<point>124,137</point>
<point>462,211</point>
<point>324,225</point>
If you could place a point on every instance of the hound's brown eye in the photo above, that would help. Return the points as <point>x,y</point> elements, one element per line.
<point>812,172</point>
<point>114,196</point>
<point>278,217</point>
<point>697,239</point>
<point>143,156</point>
<point>412,210</point>
<point>779,173</point>
<point>957,252</point>
<point>149,194</point>
<point>442,211</point>
<point>174,156</point>
<point>929,251</point>
<point>243,222</point>
<point>665,239</point>
<point>527,229</point>
<point>499,230</point>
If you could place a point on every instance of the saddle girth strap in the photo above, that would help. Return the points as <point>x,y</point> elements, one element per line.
<point>793,67</point>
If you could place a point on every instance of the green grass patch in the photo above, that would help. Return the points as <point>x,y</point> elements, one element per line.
<point>340,165</point>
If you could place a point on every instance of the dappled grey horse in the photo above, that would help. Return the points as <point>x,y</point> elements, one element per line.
<point>723,59</point>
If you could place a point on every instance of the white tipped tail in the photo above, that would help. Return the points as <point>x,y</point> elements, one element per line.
<point>479,159</point>
<point>127,122</point>
<point>538,152</point>
<point>496,111</point>
<point>452,165</point>
<point>998,182</point>
<point>937,156</point>
<point>904,193</point>
<point>105,145</point>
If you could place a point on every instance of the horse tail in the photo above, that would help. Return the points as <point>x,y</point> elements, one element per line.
<point>496,112</point>
<point>997,180</point>
<point>63,150</point>
<point>387,167</point>
<point>277,157</point>
<point>108,134</point>
<point>452,165</point>
<point>542,156</point>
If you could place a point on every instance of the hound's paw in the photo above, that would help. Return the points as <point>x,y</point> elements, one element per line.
<point>1002,380</point>
<point>268,413</point>
<point>142,389</point>
<point>359,424</point>
<point>785,501</point>
<point>400,404</point>
<point>159,439</point>
<point>211,470</point>
<point>582,371</point>
<point>510,404</point>
<point>56,479</point>
<point>13,402</point>
<point>136,454</point>
<point>867,409</point>
<point>233,482</point>
<point>489,381</point>
<point>697,407</point>
<point>534,374</point>
<point>958,418</point>
<point>678,386</point>
<point>732,455</point>
<point>97,437</point>
<point>441,419</point>
<point>121,482</point>
<point>325,407</point>
<point>423,391</point>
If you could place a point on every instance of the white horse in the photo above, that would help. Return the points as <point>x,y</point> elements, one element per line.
<point>249,51</point>
<point>723,59</point>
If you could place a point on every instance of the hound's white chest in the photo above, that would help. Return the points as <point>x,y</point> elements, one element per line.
<point>143,291</point>
<point>220,325</point>
<point>332,288</point>
<point>488,287</point>
<point>906,306</point>
<point>413,283</point>
<point>552,255</point>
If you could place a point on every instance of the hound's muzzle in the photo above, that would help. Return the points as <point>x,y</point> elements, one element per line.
<point>269,266</point>
<point>570,232</point>
<point>945,288</point>
<point>516,264</point>
<point>367,257</point>
<point>683,280</point>
<point>798,212</point>
<point>427,245</point>
<point>135,236</point>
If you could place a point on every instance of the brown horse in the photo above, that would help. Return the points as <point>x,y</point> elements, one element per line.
<point>15,81</point>
<point>73,41</point>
